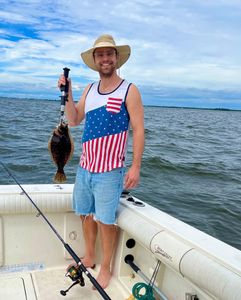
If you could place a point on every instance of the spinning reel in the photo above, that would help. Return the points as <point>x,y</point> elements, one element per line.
<point>76,275</point>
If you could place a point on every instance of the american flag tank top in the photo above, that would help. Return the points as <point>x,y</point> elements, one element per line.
<point>105,134</point>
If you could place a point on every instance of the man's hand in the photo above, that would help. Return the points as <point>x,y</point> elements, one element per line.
<point>132,177</point>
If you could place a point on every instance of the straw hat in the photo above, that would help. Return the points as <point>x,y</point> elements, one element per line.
<point>106,40</point>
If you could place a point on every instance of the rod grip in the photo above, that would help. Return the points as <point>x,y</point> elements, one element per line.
<point>66,75</point>
<point>72,253</point>
<point>66,72</point>
<point>129,259</point>
<point>65,88</point>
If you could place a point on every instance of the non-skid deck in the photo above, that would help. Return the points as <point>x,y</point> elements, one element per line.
<point>47,284</point>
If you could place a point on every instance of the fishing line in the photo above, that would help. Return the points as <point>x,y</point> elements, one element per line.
<point>81,267</point>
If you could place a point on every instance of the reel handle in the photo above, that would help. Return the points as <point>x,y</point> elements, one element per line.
<point>64,293</point>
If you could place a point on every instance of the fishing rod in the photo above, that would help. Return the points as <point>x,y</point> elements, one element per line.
<point>74,273</point>
<point>64,94</point>
<point>129,259</point>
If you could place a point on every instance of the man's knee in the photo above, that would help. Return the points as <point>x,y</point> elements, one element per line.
<point>86,217</point>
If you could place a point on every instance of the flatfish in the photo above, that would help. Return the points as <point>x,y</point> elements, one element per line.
<point>61,148</point>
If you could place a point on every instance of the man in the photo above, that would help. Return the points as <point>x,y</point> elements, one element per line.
<point>107,106</point>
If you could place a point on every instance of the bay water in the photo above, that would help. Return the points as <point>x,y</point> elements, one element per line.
<point>191,165</point>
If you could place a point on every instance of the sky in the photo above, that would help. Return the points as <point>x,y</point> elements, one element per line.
<point>183,53</point>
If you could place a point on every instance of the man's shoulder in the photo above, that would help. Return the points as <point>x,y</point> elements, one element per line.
<point>89,87</point>
<point>134,96</point>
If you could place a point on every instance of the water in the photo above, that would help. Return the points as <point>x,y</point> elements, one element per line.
<point>191,164</point>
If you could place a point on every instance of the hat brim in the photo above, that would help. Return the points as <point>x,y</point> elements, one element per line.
<point>124,52</point>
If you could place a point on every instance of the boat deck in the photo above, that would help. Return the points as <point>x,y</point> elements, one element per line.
<point>47,284</point>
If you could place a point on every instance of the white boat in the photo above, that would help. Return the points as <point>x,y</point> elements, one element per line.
<point>192,264</point>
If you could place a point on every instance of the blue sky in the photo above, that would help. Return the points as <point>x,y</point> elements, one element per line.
<point>184,53</point>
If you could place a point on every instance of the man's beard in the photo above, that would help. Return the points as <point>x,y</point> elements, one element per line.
<point>107,72</point>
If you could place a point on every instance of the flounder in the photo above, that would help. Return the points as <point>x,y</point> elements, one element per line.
<point>61,148</point>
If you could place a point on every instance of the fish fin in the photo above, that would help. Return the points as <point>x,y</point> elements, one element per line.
<point>59,177</point>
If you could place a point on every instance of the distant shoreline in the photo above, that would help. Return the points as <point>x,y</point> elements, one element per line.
<point>190,107</point>
<point>145,105</point>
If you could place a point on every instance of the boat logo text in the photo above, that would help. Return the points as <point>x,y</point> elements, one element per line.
<point>160,251</point>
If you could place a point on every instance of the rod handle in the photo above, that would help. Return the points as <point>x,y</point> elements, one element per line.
<point>65,88</point>
<point>129,259</point>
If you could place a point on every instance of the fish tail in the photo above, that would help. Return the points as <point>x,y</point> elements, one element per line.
<point>59,177</point>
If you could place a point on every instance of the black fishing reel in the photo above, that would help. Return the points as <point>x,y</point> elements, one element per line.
<point>76,275</point>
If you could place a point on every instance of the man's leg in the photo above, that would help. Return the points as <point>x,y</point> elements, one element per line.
<point>107,187</point>
<point>89,227</point>
<point>108,236</point>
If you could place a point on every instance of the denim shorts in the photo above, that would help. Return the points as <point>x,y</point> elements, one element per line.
<point>98,194</point>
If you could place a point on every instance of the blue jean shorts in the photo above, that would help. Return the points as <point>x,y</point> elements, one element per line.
<point>98,194</point>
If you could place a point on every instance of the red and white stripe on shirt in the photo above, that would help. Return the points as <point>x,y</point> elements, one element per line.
<point>114,104</point>
<point>105,153</point>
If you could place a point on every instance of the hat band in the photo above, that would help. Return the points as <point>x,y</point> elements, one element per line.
<point>104,44</point>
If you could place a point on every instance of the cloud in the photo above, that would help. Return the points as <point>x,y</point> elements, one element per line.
<point>192,45</point>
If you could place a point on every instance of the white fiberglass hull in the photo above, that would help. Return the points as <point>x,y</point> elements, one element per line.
<point>33,260</point>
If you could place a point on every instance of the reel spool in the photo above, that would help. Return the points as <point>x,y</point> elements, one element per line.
<point>76,275</point>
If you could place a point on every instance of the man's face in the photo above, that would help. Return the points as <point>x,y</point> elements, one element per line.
<point>105,60</point>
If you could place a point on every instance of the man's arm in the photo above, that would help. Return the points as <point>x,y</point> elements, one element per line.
<point>136,112</point>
